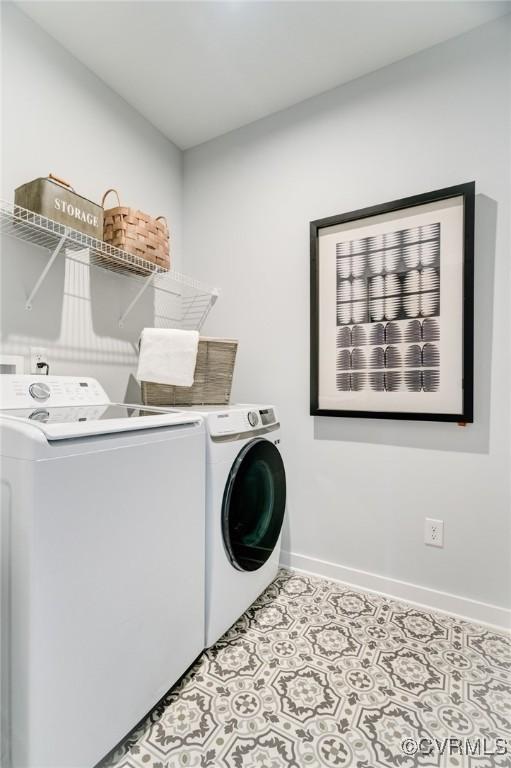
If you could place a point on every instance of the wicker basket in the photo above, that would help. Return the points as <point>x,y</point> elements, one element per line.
<point>137,233</point>
<point>212,378</point>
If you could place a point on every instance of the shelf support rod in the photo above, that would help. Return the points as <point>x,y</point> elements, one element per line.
<point>132,303</point>
<point>212,299</point>
<point>42,276</point>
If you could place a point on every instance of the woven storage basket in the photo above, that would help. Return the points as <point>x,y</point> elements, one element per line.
<point>212,378</point>
<point>137,233</point>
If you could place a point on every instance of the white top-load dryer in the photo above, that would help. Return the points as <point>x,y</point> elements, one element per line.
<point>102,566</point>
<point>245,505</point>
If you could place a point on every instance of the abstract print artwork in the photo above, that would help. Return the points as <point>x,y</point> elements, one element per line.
<point>388,303</point>
<point>391,309</point>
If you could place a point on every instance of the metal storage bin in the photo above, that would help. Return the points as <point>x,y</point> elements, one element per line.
<point>212,378</point>
<point>55,199</point>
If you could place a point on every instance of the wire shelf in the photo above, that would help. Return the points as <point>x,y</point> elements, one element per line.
<point>191,299</point>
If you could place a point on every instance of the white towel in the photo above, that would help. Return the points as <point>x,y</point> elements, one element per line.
<point>167,356</point>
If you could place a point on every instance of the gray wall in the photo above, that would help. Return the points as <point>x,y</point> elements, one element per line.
<point>58,117</point>
<point>360,489</point>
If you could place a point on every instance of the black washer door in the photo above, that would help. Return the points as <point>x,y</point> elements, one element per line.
<point>253,505</point>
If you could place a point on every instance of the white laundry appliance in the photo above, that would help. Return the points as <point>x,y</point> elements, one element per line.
<point>102,565</point>
<point>245,505</point>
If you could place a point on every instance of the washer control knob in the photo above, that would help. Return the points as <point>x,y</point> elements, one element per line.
<point>39,391</point>
<point>253,418</point>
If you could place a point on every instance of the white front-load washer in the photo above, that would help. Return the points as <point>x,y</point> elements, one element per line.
<point>102,566</point>
<point>245,505</point>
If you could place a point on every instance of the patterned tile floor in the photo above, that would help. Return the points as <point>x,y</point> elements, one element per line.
<point>316,674</point>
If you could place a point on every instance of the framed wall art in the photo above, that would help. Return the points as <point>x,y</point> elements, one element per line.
<point>392,297</point>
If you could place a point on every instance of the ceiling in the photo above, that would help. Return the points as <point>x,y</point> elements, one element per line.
<point>199,69</point>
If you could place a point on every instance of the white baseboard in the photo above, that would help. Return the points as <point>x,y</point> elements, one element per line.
<point>424,597</point>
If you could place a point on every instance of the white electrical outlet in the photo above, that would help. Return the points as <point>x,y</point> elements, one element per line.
<point>38,355</point>
<point>433,532</point>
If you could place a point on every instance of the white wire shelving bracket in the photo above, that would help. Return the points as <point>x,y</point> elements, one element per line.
<point>192,299</point>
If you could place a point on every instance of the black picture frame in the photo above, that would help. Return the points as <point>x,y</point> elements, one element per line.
<point>467,192</point>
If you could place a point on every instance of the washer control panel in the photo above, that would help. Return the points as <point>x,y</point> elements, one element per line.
<point>25,391</point>
<point>240,419</point>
